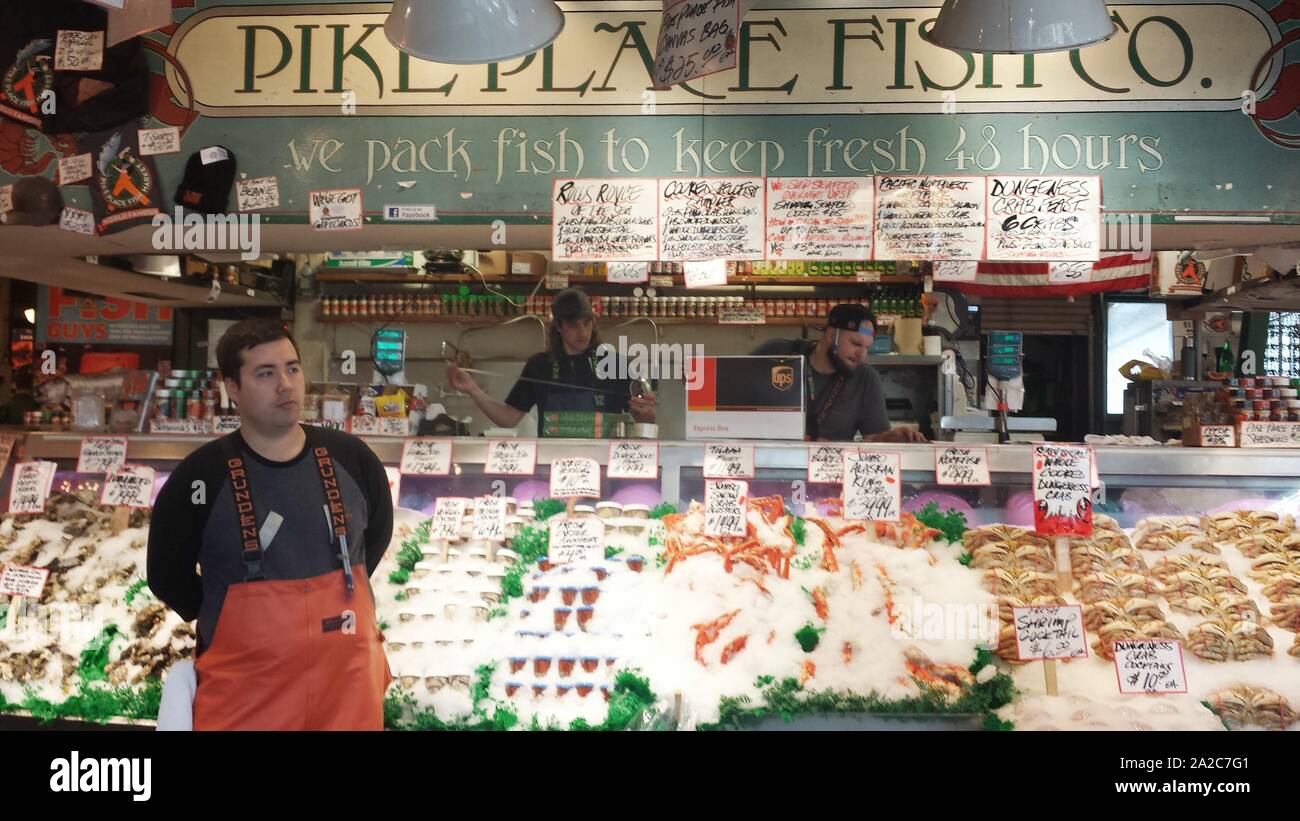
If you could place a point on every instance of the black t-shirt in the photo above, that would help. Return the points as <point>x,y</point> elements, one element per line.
<point>860,405</point>
<point>194,522</point>
<point>583,370</point>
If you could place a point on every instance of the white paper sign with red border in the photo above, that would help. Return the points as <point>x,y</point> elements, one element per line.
<point>931,217</point>
<point>339,209</point>
<point>490,519</point>
<point>597,220</point>
<point>1150,666</point>
<point>825,464</point>
<point>696,38</point>
<point>426,457</point>
<point>101,454</point>
<point>959,466</point>
<point>820,218</point>
<point>633,460</point>
<point>624,272</point>
<point>448,514</point>
<point>724,508</point>
<point>128,486</point>
<point>579,539</point>
<point>575,478</point>
<point>711,218</point>
<point>1062,489</point>
<point>394,426</point>
<point>364,425</point>
<point>30,486</point>
<point>872,488</point>
<point>19,580</point>
<point>1050,632</point>
<point>511,457</point>
<point>728,461</point>
<point>1044,218</point>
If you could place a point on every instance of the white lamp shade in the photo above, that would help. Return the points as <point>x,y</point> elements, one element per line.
<point>473,31</point>
<point>1021,26</point>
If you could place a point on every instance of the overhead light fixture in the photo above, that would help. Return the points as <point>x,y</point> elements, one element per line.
<point>29,314</point>
<point>1021,26</point>
<point>473,31</point>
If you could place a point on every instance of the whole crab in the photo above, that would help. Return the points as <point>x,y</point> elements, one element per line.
<point>1013,556</point>
<point>1270,566</point>
<point>1135,610</point>
<point>1229,640</point>
<point>1283,586</point>
<point>1112,585</point>
<point>1286,614</point>
<point>1225,606</point>
<point>1097,560</point>
<point>1019,583</point>
<point>1115,631</point>
<point>1227,527</point>
<point>1255,706</point>
<point>1170,566</point>
<point>1001,533</point>
<point>1270,539</point>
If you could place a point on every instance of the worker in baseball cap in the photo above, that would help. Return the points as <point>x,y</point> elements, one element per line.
<point>845,395</point>
<point>571,375</point>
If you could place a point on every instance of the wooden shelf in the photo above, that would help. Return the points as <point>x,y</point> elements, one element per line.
<point>606,321</point>
<point>412,278</point>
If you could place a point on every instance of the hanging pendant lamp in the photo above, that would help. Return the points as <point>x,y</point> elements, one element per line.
<point>1021,26</point>
<point>473,31</point>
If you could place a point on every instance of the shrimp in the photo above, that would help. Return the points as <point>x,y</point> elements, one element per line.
<point>733,648</point>
<point>708,633</point>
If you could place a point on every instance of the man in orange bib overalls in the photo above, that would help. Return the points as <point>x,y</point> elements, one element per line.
<point>286,524</point>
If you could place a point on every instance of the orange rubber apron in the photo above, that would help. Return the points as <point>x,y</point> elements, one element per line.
<point>292,654</point>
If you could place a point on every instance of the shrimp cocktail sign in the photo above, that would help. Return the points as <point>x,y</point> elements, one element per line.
<point>1191,105</point>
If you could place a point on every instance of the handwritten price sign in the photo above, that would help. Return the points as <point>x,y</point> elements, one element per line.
<point>825,465</point>
<point>633,460</point>
<point>696,37</point>
<point>578,539</point>
<point>490,518</point>
<point>575,478</point>
<point>724,508</point>
<point>872,487</point>
<point>1150,666</point>
<point>128,486</point>
<point>448,513</point>
<point>28,582</point>
<point>101,454</point>
<point>1050,632</point>
<point>509,458</point>
<point>1062,476</point>
<point>426,457</point>
<point>962,466</point>
<point>728,461</point>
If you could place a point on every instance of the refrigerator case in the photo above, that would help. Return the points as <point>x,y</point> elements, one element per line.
<point>859,624</point>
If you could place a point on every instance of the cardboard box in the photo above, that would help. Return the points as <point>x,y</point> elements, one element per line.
<point>527,263</point>
<point>494,263</point>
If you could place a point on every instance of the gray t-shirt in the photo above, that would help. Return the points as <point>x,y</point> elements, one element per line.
<point>860,406</point>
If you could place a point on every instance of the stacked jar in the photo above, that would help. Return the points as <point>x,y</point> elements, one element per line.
<point>1264,398</point>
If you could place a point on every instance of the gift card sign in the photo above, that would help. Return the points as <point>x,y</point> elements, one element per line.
<point>30,486</point>
<point>728,461</point>
<point>490,518</point>
<point>507,457</point>
<point>1062,478</point>
<point>335,210</point>
<point>724,508</point>
<point>1050,632</point>
<point>28,582</point>
<point>575,478</point>
<point>101,454</point>
<point>578,539</point>
<point>633,460</point>
<point>426,457</point>
<point>962,466</point>
<point>825,465</point>
<point>1150,666</point>
<point>128,486</point>
<point>872,490</point>
<point>448,513</point>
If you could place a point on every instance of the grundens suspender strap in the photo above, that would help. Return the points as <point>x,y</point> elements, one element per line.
<point>246,511</point>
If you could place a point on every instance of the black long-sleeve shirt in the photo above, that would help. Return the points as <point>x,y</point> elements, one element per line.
<point>194,522</point>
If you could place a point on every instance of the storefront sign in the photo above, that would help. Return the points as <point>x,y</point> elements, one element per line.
<point>1050,632</point>
<point>66,319</point>
<point>1063,489</point>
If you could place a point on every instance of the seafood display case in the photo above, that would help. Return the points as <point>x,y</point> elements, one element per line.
<point>806,620</point>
